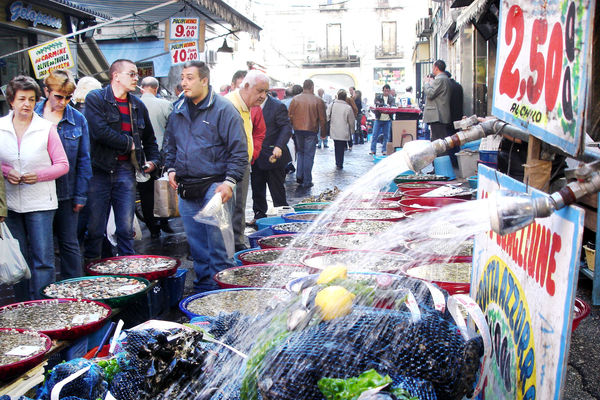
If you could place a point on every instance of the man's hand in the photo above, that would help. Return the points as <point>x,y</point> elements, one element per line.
<point>78,207</point>
<point>149,167</point>
<point>172,181</point>
<point>13,177</point>
<point>1,220</point>
<point>226,192</point>
<point>277,152</point>
<point>30,178</point>
<point>132,145</point>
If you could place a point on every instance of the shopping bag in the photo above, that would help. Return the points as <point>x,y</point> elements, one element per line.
<point>111,228</point>
<point>13,267</point>
<point>166,201</point>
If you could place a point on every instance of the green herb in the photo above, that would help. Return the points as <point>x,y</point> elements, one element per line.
<point>402,394</point>
<point>351,388</point>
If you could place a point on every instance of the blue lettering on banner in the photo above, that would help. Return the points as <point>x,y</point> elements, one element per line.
<point>18,9</point>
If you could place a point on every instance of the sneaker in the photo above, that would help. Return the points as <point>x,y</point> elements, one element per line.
<point>299,180</point>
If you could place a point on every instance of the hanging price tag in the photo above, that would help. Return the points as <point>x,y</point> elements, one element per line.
<point>184,28</point>
<point>541,65</point>
<point>182,52</point>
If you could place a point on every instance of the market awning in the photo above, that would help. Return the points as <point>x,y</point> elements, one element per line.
<point>139,51</point>
<point>215,11</point>
<point>471,12</point>
<point>91,61</point>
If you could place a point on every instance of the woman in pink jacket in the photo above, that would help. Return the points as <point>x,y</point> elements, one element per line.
<point>32,159</point>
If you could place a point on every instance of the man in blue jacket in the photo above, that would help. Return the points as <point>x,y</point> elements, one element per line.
<point>122,141</point>
<point>205,153</point>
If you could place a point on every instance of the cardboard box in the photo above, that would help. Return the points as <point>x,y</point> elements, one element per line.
<point>406,130</point>
<point>390,148</point>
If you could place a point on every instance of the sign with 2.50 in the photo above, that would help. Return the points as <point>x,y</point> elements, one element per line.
<point>183,51</point>
<point>541,68</point>
<point>184,28</point>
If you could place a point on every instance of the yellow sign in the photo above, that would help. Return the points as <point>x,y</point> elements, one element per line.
<point>51,56</point>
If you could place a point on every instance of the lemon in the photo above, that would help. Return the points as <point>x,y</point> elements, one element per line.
<point>334,301</point>
<point>331,273</point>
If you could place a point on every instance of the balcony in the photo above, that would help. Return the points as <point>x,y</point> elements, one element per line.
<point>328,57</point>
<point>424,27</point>
<point>389,5</point>
<point>385,52</point>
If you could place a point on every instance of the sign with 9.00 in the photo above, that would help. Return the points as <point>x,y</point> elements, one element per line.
<point>184,28</point>
<point>541,68</point>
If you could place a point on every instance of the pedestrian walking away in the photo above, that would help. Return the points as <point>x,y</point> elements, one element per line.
<point>206,152</point>
<point>341,117</point>
<point>307,115</point>
<point>122,141</point>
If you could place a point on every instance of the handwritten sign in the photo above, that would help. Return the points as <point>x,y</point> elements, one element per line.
<point>145,69</point>
<point>184,28</point>
<point>182,52</point>
<point>525,284</point>
<point>51,56</point>
<point>541,68</point>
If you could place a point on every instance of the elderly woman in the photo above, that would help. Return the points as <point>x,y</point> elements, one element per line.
<point>71,189</point>
<point>32,158</point>
<point>341,119</point>
<point>84,86</point>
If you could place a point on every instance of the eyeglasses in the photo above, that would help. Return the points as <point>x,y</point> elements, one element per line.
<point>61,97</point>
<point>131,74</point>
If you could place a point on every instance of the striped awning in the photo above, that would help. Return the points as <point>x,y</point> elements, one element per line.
<point>473,11</point>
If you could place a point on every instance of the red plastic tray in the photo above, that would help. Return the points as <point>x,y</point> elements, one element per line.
<point>582,310</point>
<point>16,368</point>
<point>225,285</point>
<point>74,332</point>
<point>281,250</point>
<point>147,275</point>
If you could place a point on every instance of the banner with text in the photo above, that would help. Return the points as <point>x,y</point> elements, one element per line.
<point>525,284</point>
<point>50,56</point>
<point>541,68</point>
<point>184,28</point>
<point>183,51</point>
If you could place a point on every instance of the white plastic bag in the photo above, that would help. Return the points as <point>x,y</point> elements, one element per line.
<point>111,228</point>
<point>13,267</point>
<point>213,213</point>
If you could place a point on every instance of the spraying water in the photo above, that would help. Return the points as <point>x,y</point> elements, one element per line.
<point>404,246</point>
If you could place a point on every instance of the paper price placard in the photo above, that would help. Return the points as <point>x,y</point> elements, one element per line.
<point>184,28</point>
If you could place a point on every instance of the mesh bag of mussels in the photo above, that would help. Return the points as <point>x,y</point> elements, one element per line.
<point>423,354</point>
<point>90,385</point>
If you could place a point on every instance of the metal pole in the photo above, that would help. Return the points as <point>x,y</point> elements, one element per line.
<point>112,21</point>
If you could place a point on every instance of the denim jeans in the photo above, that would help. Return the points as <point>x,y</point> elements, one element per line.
<point>239,209</point>
<point>306,147</point>
<point>33,230</point>
<point>106,190</point>
<point>322,142</point>
<point>207,246</point>
<point>65,229</point>
<point>381,128</point>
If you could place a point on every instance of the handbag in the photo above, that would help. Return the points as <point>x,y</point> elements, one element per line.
<point>166,202</point>
<point>13,267</point>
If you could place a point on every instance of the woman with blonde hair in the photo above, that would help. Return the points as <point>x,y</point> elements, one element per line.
<point>84,86</point>
<point>71,189</point>
<point>32,158</point>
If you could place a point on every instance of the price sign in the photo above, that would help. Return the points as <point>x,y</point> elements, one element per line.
<point>184,28</point>
<point>145,69</point>
<point>182,52</point>
<point>51,56</point>
<point>541,66</point>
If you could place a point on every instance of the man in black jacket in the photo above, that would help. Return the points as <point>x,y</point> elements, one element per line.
<point>121,142</point>
<point>269,167</point>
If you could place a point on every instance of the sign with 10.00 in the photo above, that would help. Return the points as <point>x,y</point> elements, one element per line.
<point>541,68</point>
<point>183,51</point>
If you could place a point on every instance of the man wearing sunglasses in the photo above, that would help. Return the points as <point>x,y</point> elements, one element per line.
<point>122,141</point>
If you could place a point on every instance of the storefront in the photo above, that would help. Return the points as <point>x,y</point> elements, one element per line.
<point>27,23</point>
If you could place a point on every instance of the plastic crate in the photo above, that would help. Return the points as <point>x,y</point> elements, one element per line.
<point>76,349</point>
<point>95,338</point>
<point>253,238</point>
<point>488,156</point>
<point>174,286</point>
<point>153,303</point>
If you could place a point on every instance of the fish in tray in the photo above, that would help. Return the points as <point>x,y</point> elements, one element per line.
<point>50,315</point>
<point>133,265</point>
<point>95,288</point>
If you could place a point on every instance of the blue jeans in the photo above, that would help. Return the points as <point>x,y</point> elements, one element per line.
<point>33,230</point>
<point>206,241</point>
<point>306,143</point>
<point>381,128</point>
<point>322,142</point>
<point>65,229</point>
<point>106,190</point>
